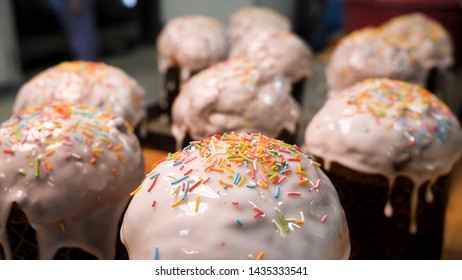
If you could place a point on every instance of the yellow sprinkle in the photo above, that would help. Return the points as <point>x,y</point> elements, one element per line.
<point>62,227</point>
<point>299,168</point>
<point>273,176</point>
<point>316,164</point>
<point>98,150</point>
<point>263,184</point>
<point>228,168</point>
<point>303,173</point>
<point>241,181</point>
<point>178,202</point>
<point>135,191</point>
<point>198,201</point>
<point>278,228</point>
<point>105,140</point>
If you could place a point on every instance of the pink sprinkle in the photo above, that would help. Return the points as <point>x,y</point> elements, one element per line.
<point>316,186</point>
<point>235,203</point>
<point>191,159</point>
<point>181,168</point>
<point>8,151</point>
<point>206,180</point>
<point>154,203</point>
<point>294,194</point>
<point>324,218</point>
<point>262,175</point>
<point>283,178</point>
<point>187,173</point>
<point>283,151</point>
<point>67,143</point>
<point>258,212</point>
<point>297,148</point>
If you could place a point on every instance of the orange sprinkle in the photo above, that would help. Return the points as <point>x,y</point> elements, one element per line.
<point>48,165</point>
<point>92,160</point>
<point>303,182</point>
<point>225,184</point>
<point>216,169</point>
<point>88,134</point>
<point>263,168</point>
<point>152,167</point>
<point>50,153</point>
<point>120,158</point>
<point>260,256</point>
<point>116,173</point>
<point>263,184</point>
<point>118,148</point>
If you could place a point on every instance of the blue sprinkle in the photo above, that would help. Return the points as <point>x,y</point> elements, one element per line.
<point>179,180</point>
<point>250,187</point>
<point>177,163</point>
<point>278,190</point>
<point>239,222</point>
<point>237,177</point>
<point>185,191</point>
<point>154,176</point>
<point>156,253</point>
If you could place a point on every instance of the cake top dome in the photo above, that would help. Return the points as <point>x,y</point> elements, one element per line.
<point>92,83</point>
<point>234,95</point>
<point>248,193</point>
<point>276,49</point>
<point>417,133</point>
<point>254,17</point>
<point>429,41</point>
<point>367,53</point>
<point>191,42</point>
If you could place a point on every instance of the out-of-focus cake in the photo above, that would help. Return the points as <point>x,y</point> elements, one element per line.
<point>427,39</point>
<point>236,196</point>
<point>367,53</point>
<point>389,148</point>
<point>252,18</point>
<point>235,95</point>
<point>278,50</point>
<point>69,168</point>
<point>91,83</point>
<point>185,46</point>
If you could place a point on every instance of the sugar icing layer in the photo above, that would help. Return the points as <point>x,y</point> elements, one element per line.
<point>236,196</point>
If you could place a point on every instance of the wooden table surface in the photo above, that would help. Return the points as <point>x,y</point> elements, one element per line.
<point>453,230</point>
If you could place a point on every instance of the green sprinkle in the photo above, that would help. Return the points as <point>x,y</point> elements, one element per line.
<point>22,171</point>
<point>37,167</point>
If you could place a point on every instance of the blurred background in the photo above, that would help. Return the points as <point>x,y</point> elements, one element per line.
<point>37,34</point>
